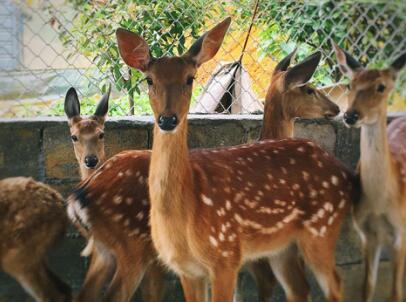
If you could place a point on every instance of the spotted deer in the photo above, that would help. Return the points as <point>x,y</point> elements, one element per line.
<point>285,101</point>
<point>32,220</point>
<point>380,216</point>
<point>290,96</point>
<point>213,210</point>
<point>87,135</point>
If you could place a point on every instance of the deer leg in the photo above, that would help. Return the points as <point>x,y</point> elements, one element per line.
<point>153,284</point>
<point>399,270</point>
<point>289,271</point>
<point>100,270</point>
<point>194,289</point>
<point>318,254</point>
<point>264,278</point>
<point>223,284</point>
<point>126,279</point>
<point>372,252</point>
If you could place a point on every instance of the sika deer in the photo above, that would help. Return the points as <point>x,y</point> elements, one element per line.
<point>87,133</point>
<point>32,220</point>
<point>88,141</point>
<point>213,210</point>
<point>290,96</point>
<point>380,216</point>
<point>284,103</point>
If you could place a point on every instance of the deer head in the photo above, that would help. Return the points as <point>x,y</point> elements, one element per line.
<point>300,99</point>
<point>170,79</point>
<point>87,133</point>
<point>369,89</point>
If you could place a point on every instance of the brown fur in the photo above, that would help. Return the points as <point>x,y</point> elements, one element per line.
<point>32,220</point>
<point>107,262</point>
<point>213,210</point>
<point>380,216</point>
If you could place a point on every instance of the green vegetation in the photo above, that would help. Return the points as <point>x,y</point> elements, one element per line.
<point>369,30</point>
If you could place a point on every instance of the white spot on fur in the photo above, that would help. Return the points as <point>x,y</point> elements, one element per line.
<point>228,205</point>
<point>117,199</point>
<point>334,180</point>
<point>207,200</point>
<point>140,216</point>
<point>306,175</point>
<point>213,241</point>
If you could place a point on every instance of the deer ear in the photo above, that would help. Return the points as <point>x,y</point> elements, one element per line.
<point>285,63</point>
<point>206,47</point>
<point>103,105</point>
<point>72,105</point>
<point>347,63</point>
<point>399,63</point>
<point>133,49</point>
<point>301,73</point>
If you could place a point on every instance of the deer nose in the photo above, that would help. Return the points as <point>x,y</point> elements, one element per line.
<point>167,123</point>
<point>91,161</point>
<point>351,117</point>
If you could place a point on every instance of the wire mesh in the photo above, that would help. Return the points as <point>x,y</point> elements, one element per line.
<point>48,46</point>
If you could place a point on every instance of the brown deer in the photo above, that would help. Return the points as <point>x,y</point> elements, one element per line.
<point>87,135</point>
<point>32,220</point>
<point>137,193</point>
<point>213,210</point>
<point>88,140</point>
<point>283,104</point>
<point>380,216</point>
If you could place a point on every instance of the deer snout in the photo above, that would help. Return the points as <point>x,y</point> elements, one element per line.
<point>167,122</point>
<point>351,117</point>
<point>91,161</point>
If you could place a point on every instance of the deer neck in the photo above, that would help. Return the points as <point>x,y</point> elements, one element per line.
<point>275,124</point>
<point>170,173</point>
<point>375,162</point>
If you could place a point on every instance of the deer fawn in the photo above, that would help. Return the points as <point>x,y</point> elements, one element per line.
<point>282,105</point>
<point>32,220</point>
<point>88,141</point>
<point>87,133</point>
<point>213,210</point>
<point>380,216</point>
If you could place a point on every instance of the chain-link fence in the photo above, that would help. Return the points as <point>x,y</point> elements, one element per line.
<point>46,46</point>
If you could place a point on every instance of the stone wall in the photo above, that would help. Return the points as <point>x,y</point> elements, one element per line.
<point>41,148</point>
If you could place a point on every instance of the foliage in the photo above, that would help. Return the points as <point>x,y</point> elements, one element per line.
<point>164,24</point>
<point>361,27</point>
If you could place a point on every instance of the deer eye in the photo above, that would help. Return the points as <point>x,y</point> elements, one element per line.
<point>349,86</point>
<point>101,135</point>
<point>74,138</point>
<point>149,81</point>
<point>310,90</point>
<point>381,88</point>
<point>190,80</point>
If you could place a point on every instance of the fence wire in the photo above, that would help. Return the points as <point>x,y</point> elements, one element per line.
<point>50,45</point>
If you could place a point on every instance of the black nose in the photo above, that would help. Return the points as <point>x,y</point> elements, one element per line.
<point>167,123</point>
<point>351,117</point>
<point>91,161</point>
